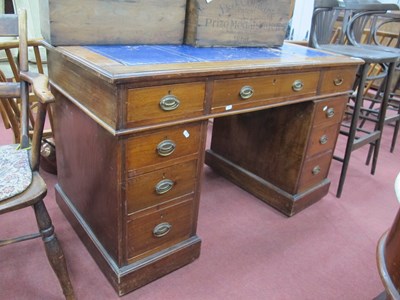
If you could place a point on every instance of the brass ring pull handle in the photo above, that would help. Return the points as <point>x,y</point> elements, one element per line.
<point>338,81</point>
<point>297,85</point>
<point>323,139</point>
<point>164,186</point>
<point>169,102</point>
<point>246,92</point>
<point>162,229</point>
<point>330,112</point>
<point>166,147</point>
<point>316,170</point>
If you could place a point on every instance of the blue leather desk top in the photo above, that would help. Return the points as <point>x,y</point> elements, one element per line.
<point>135,55</point>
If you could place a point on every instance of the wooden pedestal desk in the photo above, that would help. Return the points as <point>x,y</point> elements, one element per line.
<point>130,128</point>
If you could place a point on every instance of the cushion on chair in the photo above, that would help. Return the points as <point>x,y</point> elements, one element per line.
<point>15,171</point>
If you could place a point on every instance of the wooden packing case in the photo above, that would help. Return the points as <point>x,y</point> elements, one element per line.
<point>76,22</point>
<point>260,23</point>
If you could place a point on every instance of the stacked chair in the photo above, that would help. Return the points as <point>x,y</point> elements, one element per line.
<point>20,182</point>
<point>389,42</point>
<point>10,109</point>
<point>327,14</point>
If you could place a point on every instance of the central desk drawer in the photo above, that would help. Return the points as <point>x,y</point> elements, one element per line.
<point>159,229</point>
<point>162,147</point>
<point>231,94</point>
<point>164,103</point>
<point>164,184</point>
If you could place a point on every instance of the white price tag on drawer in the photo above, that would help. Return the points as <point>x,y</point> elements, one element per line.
<point>186,134</point>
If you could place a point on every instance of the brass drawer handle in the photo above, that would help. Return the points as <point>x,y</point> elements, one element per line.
<point>164,186</point>
<point>162,229</point>
<point>330,112</point>
<point>338,81</point>
<point>323,139</point>
<point>316,170</point>
<point>297,85</point>
<point>169,102</point>
<point>166,147</point>
<point>246,92</point>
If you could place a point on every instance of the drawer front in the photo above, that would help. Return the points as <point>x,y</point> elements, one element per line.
<point>314,171</point>
<point>165,103</point>
<point>329,112</point>
<point>237,93</point>
<point>161,147</point>
<point>322,139</point>
<point>159,230</point>
<point>338,80</point>
<point>164,184</point>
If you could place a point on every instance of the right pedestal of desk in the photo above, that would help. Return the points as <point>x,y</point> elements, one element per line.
<point>280,155</point>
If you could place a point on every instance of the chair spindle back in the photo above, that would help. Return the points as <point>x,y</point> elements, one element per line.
<point>16,26</point>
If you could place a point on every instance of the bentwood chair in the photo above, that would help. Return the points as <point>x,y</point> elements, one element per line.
<point>388,256</point>
<point>325,17</point>
<point>20,183</point>
<point>388,41</point>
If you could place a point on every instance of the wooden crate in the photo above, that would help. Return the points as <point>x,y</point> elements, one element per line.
<point>237,22</point>
<point>75,22</point>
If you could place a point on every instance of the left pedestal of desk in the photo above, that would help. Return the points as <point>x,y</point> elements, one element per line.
<point>132,199</point>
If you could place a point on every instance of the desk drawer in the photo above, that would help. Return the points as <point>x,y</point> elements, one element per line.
<point>157,230</point>
<point>231,94</point>
<point>315,170</point>
<point>329,112</point>
<point>164,184</point>
<point>164,103</point>
<point>337,80</point>
<point>162,147</point>
<point>322,139</point>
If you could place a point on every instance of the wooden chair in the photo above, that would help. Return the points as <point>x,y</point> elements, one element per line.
<point>388,256</point>
<point>9,48</point>
<point>20,183</point>
<point>326,13</point>
<point>9,108</point>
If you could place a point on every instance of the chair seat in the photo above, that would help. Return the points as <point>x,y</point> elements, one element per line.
<point>393,50</point>
<point>15,171</point>
<point>369,54</point>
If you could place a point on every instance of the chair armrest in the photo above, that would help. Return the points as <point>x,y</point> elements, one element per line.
<point>39,84</point>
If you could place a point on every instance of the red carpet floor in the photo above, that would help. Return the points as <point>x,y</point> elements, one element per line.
<point>249,250</point>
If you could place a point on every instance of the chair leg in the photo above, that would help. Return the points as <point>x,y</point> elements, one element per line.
<point>54,252</point>
<point>353,129</point>
<point>370,152</point>
<point>397,124</point>
<point>395,134</point>
<point>382,115</point>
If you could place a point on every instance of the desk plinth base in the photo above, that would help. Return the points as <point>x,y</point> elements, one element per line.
<point>284,202</point>
<point>130,277</point>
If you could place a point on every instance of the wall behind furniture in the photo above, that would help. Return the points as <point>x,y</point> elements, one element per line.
<point>301,20</point>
